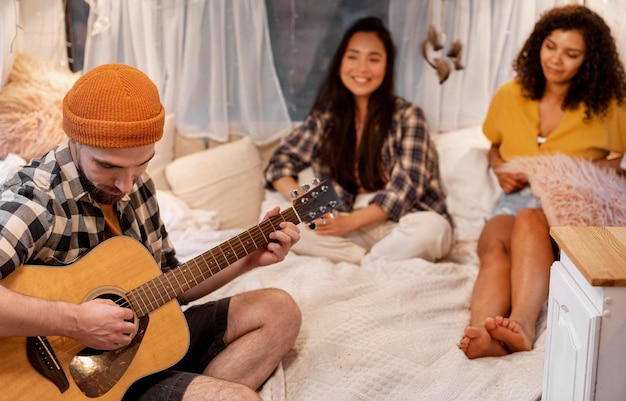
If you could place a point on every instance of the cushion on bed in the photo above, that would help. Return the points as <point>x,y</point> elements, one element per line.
<point>227,179</point>
<point>470,185</point>
<point>574,191</point>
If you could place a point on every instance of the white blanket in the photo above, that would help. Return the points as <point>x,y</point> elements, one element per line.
<point>387,331</point>
<point>379,332</point>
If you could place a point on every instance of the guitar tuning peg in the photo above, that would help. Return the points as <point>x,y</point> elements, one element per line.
<point>312,226</point>
<point>294,194</point>
<point>306,187</point>
<point>315,181</point>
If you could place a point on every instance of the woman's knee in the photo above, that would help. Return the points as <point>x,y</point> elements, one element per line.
<point>493,247</point>
<point>427,234</point>
<point>531,218</point>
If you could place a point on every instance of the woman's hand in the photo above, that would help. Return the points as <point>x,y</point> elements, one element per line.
<point>339,224</point>
<point>511,182</point>
<point>345,223</point>
<point>611,164</point>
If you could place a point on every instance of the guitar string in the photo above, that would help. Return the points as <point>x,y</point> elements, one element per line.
<point>236,252</point>
<point>257,235</point>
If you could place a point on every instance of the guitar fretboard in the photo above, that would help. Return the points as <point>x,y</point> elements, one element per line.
<point>168,286</point>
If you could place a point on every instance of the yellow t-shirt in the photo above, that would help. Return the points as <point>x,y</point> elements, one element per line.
<point>513,122</point>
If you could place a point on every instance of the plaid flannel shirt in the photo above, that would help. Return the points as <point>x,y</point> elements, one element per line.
<point>47,217</point>
<point>408,154</point>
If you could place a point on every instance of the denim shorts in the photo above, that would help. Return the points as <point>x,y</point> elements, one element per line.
<point>207,327</point>
<point>511,204</point>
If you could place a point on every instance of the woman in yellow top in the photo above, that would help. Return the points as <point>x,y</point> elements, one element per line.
<point>568,97</point>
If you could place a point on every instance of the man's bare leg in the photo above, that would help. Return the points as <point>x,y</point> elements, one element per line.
<point>532,256</point>
<point>262,328</point>
<point>491,295</point>
<point>205,388</point>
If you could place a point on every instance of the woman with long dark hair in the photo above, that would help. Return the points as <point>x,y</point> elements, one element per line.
<point>376,149</point>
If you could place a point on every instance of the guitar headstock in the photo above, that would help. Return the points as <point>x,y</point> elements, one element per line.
<point>316,201</point>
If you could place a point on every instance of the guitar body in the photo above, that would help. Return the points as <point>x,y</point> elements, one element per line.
<point>113,268</point>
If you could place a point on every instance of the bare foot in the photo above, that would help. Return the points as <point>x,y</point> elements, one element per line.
<point>478,343</point>
<point>509,333</point>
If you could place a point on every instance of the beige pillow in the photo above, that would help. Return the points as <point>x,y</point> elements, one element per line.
<point>227,178</point>
<point>164,153</point>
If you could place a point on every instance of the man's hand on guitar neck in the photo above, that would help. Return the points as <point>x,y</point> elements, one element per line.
<point>280,242</point>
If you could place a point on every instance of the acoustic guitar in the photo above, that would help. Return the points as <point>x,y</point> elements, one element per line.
<point>121,269</point>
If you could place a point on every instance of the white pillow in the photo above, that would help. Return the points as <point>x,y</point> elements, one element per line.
<point>227,178</point>
<point>164,153</point>
<point>470,185</point>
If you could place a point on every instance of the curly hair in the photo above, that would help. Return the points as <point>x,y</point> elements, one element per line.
<point>339,141</point>
<point>600,78</point>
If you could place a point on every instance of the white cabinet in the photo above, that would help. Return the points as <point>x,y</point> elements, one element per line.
<point>586,334</point>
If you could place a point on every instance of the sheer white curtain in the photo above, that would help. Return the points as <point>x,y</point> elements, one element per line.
<point>489,35</point>
<point>8,33</point>
<point>211,60</point>
<point>36,27</point>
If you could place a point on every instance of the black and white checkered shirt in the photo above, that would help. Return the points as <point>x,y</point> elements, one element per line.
<point>47,217</point>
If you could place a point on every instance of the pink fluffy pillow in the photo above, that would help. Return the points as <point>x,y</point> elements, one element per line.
<point>31,107</point>
<point>574,191</point>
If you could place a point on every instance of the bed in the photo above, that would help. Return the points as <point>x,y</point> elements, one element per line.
<point>371,332</point>
<point>385,331</point>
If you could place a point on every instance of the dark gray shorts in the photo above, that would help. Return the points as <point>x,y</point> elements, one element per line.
<point>207,326</point>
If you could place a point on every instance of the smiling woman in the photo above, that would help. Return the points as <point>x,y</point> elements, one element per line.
<point>376,149</point>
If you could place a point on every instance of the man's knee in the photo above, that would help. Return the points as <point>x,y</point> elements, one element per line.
<point>206,387</point>
<point>282,304</point>
<point>274,307</point>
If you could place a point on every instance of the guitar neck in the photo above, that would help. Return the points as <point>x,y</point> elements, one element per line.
<point>170,285</point>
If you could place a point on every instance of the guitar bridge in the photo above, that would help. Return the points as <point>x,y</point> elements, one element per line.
<point>42,357</point>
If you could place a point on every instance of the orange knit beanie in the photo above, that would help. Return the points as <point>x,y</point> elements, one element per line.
<point>113,106</point>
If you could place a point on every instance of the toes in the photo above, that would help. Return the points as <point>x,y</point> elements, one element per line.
<point>471,332</point>
<point>501,321</point>
<point>491,323</point>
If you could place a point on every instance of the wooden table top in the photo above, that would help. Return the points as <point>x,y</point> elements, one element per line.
<point>598,252</point>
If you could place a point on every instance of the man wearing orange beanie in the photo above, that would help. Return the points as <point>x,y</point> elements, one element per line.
<point>93,187</point>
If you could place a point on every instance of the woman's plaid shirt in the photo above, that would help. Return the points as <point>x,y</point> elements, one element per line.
<point>47,217</point>
<point>409,156</point>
